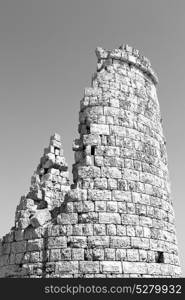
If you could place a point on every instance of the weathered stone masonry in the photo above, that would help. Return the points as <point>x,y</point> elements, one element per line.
<point>116,219</point>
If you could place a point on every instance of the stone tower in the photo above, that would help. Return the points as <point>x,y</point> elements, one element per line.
<point>117,218</point>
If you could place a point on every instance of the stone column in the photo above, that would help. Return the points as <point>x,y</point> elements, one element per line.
<point>121,161</point>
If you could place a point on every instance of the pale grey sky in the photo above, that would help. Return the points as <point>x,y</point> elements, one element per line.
<point>46,60</point>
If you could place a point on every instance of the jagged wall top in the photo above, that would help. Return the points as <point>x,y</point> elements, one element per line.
<point>127,54</point>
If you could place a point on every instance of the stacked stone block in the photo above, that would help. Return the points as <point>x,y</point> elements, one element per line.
<point>117,218</point>
<point>49,184</point>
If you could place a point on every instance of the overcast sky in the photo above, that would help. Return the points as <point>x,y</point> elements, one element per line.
<point>47,58</point>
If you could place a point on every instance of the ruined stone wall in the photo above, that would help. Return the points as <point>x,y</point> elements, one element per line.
<point>117,218</point>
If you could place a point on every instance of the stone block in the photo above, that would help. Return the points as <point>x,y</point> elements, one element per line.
<point>77,229</point>
<point>89,267</point>
<point>9,270</point>
<point>145,199</point>
<point>77,241</point>
<point>88,172</point>
<point>6,248</point>
<point>132,255</point>
<point>140,209</point>
<point>109,218</point>
<point>146,232</point>
<point>35,257</point>
<point>117,130</point>
<point>57,242</point>
<point>122,208</point>
<point>91,217</point>
<point>154,269</point>
<point>121,230</point>
<point>114,102</point>
<point>134,267</point>
<point>110,267</point>
<point>87,206</point>
<point>110,254</point>
<point>129,219</point>
<point>120,242</point>
<point>121,254</point>
<point>98,254</point>
<point>16,258</point>
<point>17,247</point>
<point>98,241</point>
<point>23,223</point>
<point>4,260</point>
<point>111,206</point>
<point>87,229</point>
<point>53,230</point>
<point>149,189</point>
<point>77,206</point>
<point>111,172</point>
<point>99,229</point>
<point>100,206</point>
<point>112,184</point>
<point>91,139</point>
<point>131,208</point>
<point>8,238</point>
<point>131,230</point>
<point>66,267</point>
<point>34,233</point>
<point>139,230</point>
<point>121,196</point>
<point>111,111</point>
<point>143,255</point>
<point>98,160</point>
<point>55,255</point>
<point>111,229</point>
<point>88,254</point>
<point>65,219</point>
<point>122,185</point>
<point>147,178</point>
<point>140,243</point>
<point>19,235</point>
<point>40,218</point>
<point>76,194</point>
<point>69,207</point>
<point>145,221</point>
<point>111,151</point>
<point>100,183</point>
<point>99,195</point>
<point>77,254</point>
<point>99,129</point>
<point>129,174</point>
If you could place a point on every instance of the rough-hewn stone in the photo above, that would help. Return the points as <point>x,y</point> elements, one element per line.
<point>116,219</point>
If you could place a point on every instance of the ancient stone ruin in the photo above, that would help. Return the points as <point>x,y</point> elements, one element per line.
<point>116,219</point>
